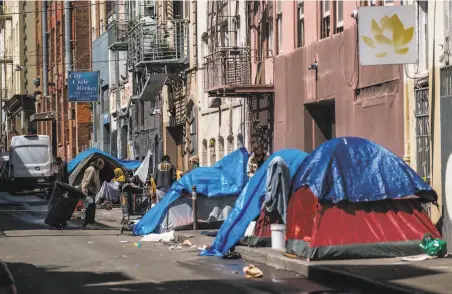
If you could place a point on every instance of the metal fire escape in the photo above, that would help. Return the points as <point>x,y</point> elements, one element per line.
<point>158,56</point>
<point>228,71</point>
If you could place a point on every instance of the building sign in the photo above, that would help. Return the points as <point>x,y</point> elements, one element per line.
<point>387,35</point>
<point>83,86</point>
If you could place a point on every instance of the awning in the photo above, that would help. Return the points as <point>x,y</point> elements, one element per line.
<point>153,87</point>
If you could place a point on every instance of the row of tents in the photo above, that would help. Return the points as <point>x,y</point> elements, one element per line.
<point>349,198</point>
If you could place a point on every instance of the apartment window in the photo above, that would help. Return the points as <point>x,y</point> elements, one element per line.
<point>38,59</point>
<point>279,25</point>
<point>325,27</point>
<point>58,41</point>
<point>62,35</point>
<point>269,28</point>
<point>300,23</point>
<point>178,9</point>
<point>339,16</point>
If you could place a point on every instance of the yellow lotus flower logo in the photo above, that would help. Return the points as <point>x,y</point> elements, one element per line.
<point>399,39</point>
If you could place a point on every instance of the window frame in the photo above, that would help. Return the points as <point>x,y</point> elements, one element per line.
<point>339,24</point>
<point>300,14</point>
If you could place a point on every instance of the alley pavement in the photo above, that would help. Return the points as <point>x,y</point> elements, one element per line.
<point>45,260</point>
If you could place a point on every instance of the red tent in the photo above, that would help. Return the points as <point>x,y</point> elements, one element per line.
<point>351,230</point>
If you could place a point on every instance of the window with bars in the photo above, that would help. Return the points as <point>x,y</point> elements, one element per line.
<point>142,113</point>
<point>339,16</point>
<point>300,23</point>
<point>63,42</point>
<point>325,26</point>
<point>279,25</point>
<point>38,59</point>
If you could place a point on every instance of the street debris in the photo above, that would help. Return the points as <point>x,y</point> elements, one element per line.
<point>124,241</point>
<point>252,271</point>
<point>433,246</point>
<point>420,257</point>
<point>175,247</point>
<point>164,237</point>
<point>90,242</point>
<point>187,243</point>
<point>137,244</point>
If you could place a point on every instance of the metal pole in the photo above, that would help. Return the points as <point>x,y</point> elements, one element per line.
<point>194,208</point>
<point>118,103</point>
<point>45,73</point>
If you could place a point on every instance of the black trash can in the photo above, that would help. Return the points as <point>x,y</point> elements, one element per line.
<point>62,204</point>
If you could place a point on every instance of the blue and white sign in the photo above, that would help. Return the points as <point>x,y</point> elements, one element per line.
<point>106,118</point>
<point>83,86</point>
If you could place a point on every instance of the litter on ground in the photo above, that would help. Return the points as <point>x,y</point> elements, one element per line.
<point>164,237</point>
<point>252,271</point>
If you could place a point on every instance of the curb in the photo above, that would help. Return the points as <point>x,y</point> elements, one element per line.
<point>322,273</point>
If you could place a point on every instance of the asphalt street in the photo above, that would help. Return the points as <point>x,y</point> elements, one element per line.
<point>49,261</point>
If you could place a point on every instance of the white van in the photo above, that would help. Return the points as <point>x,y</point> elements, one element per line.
<point>30,162</point>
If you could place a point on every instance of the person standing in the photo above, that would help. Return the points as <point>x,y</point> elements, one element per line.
<point>62,172</point>
<point>90,188</point>
<point>256,160</point>
<point>165,176</point>
<point>6,280</point>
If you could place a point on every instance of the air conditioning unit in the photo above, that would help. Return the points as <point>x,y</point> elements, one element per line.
<point>214,102</point>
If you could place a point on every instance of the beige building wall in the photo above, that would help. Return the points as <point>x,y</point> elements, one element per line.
<point>20,46</point>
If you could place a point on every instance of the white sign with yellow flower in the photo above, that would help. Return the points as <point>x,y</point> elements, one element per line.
<point>387,35</point>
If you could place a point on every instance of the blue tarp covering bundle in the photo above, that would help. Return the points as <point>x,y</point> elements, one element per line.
<point>357,170</point>
<point>129,165</point>
<point>249,204</point>
<point>226,178</point>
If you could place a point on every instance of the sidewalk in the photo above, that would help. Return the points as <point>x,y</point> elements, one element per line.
<point>374,275</point>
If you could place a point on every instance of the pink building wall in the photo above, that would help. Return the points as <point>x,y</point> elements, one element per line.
<point>375,113</point>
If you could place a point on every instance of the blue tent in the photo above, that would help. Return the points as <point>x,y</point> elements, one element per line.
<point>249,204</point>
<point>226,178</point>
<point>356,170</point>
<point>91,152</point>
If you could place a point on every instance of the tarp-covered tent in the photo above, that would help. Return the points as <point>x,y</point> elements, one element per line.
<point>78,165</point>
<point>355,199</point>
<point>217,189</point>
<point>249,204</point>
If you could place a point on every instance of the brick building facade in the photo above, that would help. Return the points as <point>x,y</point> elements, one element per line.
<point>73,119</point>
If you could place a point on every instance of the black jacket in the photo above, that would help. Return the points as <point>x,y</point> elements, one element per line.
<point>63,174</point>
<point>166,175</point>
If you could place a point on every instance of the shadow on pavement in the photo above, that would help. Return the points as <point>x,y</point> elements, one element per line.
<point>32,279</point>
<point>386,274</point>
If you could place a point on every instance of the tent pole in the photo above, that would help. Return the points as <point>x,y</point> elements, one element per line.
<point>194,208</point>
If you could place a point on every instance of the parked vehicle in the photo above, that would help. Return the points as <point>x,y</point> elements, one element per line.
<point>30,164</point>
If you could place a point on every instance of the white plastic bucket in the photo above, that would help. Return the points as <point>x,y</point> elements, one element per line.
<point>278,236</point>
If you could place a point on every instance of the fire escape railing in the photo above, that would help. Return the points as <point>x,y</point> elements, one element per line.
<point>158,42</point>
<point>227,67</point>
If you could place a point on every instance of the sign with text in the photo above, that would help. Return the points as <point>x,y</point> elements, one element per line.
<point>83,86</point>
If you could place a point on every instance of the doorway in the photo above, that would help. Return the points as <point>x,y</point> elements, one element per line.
<point>320,124</point>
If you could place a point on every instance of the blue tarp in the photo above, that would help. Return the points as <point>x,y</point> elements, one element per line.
<point>249,204</point>
<point>357,170</point>
<point>226,178</point>
<point>129,165</point>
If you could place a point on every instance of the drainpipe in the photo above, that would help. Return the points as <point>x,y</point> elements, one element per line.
<point>68,47</point>
<point>118,105</point>
<point>45,73</point>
